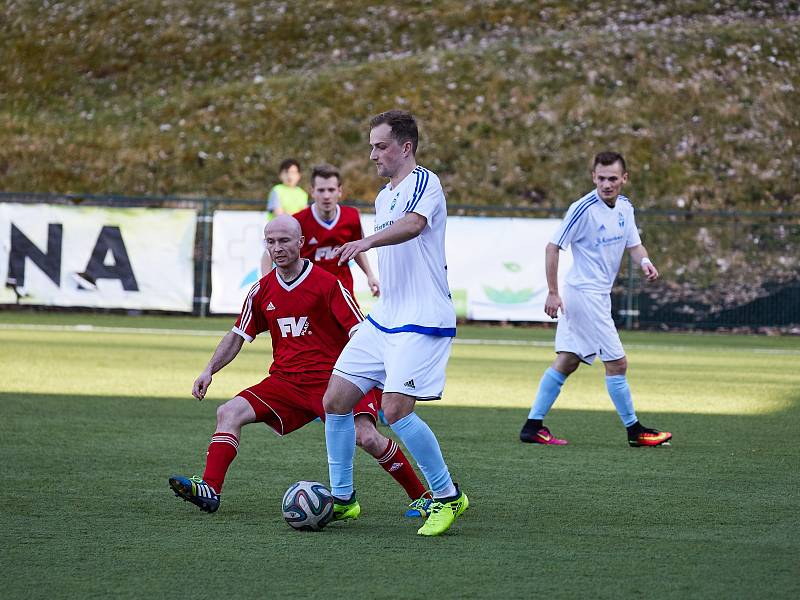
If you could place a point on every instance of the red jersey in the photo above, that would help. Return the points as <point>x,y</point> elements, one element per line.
<point>309,320</point>
<point>323,238</point>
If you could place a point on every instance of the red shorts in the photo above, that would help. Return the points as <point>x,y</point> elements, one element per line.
<point>287,402</point>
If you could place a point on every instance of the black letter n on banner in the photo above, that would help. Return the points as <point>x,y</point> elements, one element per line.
<point>21,248</point>
<point>110,239</point>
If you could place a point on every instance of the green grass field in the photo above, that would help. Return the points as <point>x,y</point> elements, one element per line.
<point>94,419</point>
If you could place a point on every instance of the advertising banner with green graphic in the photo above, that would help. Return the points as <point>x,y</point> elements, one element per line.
<point>134,258</point>
<point>495,265</point>
<point>498,265</point>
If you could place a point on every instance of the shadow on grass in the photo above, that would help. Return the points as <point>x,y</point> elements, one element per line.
<point>86,506</point>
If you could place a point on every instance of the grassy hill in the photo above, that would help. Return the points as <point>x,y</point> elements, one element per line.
<point>195,98</point>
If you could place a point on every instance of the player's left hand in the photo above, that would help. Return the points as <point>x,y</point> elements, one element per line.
<point>374,286</point>
<point>347,252</point>
<point>650,271</point>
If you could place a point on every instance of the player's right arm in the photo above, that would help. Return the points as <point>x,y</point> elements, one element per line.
<point>250,323</point>
<point>226,351</point>
<point>406,228</point>
<point>553,301</point>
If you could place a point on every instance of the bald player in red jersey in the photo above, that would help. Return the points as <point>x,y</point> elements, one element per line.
<point>309,315</point>
<point>326,225</point>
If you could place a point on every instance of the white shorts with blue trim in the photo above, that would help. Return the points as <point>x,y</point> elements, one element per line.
<point>408,363</point>
<point>586,327</point>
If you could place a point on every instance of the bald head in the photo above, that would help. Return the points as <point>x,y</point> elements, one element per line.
<point>286,224</point>
<point>284,238</point>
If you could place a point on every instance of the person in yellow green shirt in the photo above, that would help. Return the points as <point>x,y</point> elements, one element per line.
<point>287,197</point>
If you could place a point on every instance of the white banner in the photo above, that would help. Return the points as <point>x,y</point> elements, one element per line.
<point>135,258</point>
<point>236,250</point>
<point>495,265</point>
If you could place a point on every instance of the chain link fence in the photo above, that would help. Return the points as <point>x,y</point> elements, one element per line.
<point>719,270</point>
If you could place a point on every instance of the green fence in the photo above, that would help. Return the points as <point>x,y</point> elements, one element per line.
<point>719,270</point>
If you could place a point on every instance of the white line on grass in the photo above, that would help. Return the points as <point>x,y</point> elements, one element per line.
<point>100,329</point>
<point>86,328</point>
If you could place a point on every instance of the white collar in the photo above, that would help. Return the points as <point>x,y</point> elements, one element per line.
<point>321,221</point>
<point>297,281</point>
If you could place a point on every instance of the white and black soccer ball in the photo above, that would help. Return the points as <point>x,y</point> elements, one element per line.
<point>308,505</point>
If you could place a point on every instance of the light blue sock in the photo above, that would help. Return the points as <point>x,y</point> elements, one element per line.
<point>617,386</point>
<point>340,438</point>
<point>549,389</point>
<point>420,441</point>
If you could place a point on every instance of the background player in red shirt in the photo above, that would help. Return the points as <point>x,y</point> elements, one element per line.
<point>327,225</point>
<point>310,316</point>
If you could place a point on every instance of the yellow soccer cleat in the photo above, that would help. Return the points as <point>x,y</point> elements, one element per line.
<point>442,514</point>
<point>343,512</point>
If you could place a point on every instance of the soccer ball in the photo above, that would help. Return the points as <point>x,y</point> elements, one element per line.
<point>307,505</point>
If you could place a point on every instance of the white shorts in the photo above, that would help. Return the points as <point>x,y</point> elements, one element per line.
<point>407,363</point>
<point>586,327</point>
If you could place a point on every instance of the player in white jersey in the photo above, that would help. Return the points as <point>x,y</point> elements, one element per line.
<point>404,346</point>
<point>598,227</point>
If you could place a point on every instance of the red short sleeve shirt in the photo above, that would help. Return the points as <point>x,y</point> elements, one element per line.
<point>309,320</point>
<point>323,238</point>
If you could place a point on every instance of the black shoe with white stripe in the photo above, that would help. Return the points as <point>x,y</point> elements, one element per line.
<point>196,491</point>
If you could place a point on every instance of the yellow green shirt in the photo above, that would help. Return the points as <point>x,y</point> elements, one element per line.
<point>290,199</point>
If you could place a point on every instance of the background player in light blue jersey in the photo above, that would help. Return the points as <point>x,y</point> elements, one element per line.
<point>404,344</point>
<point>598,227</point>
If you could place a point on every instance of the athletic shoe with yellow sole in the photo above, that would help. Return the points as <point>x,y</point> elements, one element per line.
<point>649,437</point>
<point>442,514</point>
<point>343,511</point>
<point>196,491</point>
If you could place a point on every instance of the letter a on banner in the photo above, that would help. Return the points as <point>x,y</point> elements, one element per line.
<point>109,242</point>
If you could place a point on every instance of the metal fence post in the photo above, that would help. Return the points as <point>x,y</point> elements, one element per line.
<point>205,258</point>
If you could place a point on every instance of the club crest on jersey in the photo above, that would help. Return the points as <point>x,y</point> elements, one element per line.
<point>394,202</point>
<point>621,220</point>
<point>289,326</point>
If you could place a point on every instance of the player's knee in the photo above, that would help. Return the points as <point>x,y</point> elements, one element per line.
<point>333,404</point>
<point>230,414</point>
<point>566,363</point>
<point>340,399</point>
<point>617,367</point>
<point>394,412</point>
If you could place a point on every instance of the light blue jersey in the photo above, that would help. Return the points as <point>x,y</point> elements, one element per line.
<point>598,235</point>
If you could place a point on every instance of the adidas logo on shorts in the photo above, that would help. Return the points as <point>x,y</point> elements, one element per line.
<point>409,384</point>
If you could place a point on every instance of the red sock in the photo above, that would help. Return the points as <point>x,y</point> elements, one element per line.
<point>221,452</point>
<point>396,464</point>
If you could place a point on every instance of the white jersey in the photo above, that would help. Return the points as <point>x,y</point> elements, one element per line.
<point>598,235</point>
<point>415,295</point>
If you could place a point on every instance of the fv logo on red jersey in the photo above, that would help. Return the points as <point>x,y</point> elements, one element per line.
<point>325,253</point>
<point>293,327</point>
